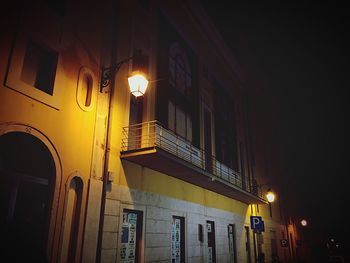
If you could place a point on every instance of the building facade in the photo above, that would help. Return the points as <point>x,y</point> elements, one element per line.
<point>91,173</point>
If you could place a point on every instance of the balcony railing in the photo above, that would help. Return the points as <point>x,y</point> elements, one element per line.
<point>153,135</point>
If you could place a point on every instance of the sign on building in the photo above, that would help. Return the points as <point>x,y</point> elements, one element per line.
<point>284,243</point>
<point>257,224</point>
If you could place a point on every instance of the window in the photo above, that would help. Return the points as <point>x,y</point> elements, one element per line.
<point>178,239</point>
<point>177,90</point>
<point>179,121</point>
<point>179,70</point>
<point>225,129</point>
<point>71,226</point>
<point>86,89</point>
<point>135,117</point>
<point>211,242</point>
<point>179,115</point>
<point>131,236</point>
<point>39,67</point>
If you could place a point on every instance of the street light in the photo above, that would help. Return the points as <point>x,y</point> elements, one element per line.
<point>138,84</point>
<point>137,81</point>
<point>303,222</point>
<point>270,196</point>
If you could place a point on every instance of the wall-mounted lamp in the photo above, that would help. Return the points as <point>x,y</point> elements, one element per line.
<point>137,81</point>
<point>138,84</point>
<point>270,195</point>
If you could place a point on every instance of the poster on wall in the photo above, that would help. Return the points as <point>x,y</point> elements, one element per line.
<point>209,227</point>
<point>176,241</point>
<point>210,254</point>
<point>128,238</point>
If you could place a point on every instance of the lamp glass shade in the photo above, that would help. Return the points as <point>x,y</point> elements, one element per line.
<point>138,84</point>
<point>270,196</point>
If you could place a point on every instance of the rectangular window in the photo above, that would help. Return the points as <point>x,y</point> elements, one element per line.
<point>131,236</point>
<point>171,116</point>
<point>211,242</point>
<point>178,240</point>
<point>177,93</point>
<point>225,129</point>
<point>179,121</point>
<point>39,67</point>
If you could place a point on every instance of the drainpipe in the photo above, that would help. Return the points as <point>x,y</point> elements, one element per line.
<point>108,138</point>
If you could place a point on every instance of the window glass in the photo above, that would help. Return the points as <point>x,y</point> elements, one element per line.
<point>71,225</point>
<point>189,128</point>
<point>180,122</point>
<point>179,116</point>
<point>39,67</point>
<point>87,90</point>
<point>171,116</point>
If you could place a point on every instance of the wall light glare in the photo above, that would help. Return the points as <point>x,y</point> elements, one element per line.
<point>138,84</point>
<point>270,196</point>
<point>303,222</point>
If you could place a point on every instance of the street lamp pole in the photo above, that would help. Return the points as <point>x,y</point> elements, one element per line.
<point>137,87</point>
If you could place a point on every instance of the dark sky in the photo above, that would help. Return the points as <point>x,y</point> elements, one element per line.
<point>298,53</point>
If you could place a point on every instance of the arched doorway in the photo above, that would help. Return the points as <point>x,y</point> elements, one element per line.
<point>27,183</point>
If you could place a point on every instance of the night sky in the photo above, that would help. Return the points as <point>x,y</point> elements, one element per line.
<point>297,56</point>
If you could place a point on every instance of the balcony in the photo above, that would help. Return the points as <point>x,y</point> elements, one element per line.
<point>151,145</point>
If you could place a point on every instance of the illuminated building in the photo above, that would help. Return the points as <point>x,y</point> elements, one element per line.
<point>91,173</point>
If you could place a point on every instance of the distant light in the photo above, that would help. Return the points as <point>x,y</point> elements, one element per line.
<point>303,222</point>
<point>270,196</point>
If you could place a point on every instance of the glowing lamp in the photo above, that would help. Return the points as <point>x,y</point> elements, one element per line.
<point>137,84</point>
<point>270,196</point>
<point>303,222</point>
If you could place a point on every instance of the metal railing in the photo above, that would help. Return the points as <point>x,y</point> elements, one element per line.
<point>153,134</point>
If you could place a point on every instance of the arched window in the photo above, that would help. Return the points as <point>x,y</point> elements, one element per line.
<point>179,104</point>
<point>86,89</point>
<point>72,217</point>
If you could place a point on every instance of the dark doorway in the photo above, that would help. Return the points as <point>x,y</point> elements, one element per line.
<point>27,173</point>
<point>247,244</point>
<point>232,242</point>
<point>131,238</point>
<point>211,242</point>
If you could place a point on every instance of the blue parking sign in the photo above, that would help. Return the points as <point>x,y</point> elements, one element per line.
<point>257,224</point>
